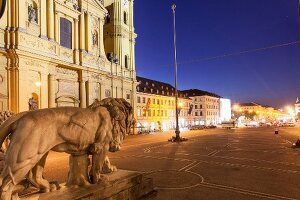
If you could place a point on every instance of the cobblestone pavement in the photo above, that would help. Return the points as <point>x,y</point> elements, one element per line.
<point>246,163</point>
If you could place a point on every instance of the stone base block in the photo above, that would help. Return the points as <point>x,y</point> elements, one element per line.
<point>119,185</point>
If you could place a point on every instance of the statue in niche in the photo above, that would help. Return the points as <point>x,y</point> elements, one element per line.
<point>95,38</point>
<point>32,14</point>
<point>33,104</point>
<point>81,132</point>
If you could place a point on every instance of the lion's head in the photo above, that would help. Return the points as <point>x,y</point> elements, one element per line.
<point>121,113</point>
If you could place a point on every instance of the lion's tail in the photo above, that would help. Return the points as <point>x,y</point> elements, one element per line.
<point>7,126</point>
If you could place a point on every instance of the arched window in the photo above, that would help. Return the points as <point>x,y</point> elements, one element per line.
<point>126,61</point>
<point>125,17</point>
<point>65,33</point>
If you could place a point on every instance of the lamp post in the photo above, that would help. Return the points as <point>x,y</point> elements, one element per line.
<point>177,137</point>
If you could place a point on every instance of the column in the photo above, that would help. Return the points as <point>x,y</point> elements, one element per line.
<point>50,19</point>
<point>56,27</point>
<point>51,91</point>
<point>87,32</point>
<point>76,40</point>
<point>43,19</point>
<point>82,32</point>
<point>87,87</point>
<point>21,15</point>
<point>82,94</point>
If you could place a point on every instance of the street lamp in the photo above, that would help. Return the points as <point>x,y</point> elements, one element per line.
<point>177,137</point>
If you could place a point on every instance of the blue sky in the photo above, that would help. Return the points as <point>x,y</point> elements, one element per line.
<point>212,28</point>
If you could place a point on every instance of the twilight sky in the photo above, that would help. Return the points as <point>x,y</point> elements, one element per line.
<point>209,29</point>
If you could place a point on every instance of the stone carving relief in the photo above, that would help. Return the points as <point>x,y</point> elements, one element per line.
<point>65,71</point>
<point>82,135</point>
<point>107,93</point>
<point>66,87</point>
<point>34,43</point>
<point>73,3</point>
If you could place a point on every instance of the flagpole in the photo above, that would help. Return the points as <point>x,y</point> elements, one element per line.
<point>177,131</point>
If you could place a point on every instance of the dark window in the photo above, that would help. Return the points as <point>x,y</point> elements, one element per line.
<point>125,18</point>
<point>139,99</point>
<point>126,61</point>
<point>201,114</point>
<point>128,96</point>
<point>65,33</point>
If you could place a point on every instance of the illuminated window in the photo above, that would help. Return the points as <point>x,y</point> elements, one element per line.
<point>65,33</point>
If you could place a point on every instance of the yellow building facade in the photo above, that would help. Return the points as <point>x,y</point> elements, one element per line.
<point>261,112</point>
<point>66,52</point>
<point>156,106</point>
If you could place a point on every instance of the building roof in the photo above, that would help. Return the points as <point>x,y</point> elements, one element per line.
<point>160,88</point>
<point>154,87</point>
<point>253,104</point>
<point>196,92</point>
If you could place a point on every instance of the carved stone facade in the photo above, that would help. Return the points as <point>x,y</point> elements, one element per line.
<point>35,61</point>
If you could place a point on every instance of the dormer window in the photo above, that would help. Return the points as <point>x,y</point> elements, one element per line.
<point>144,89</point>
<point>151,90</point>
<point>152,84</point>
<point>157,91</point>
<point>147,83</point>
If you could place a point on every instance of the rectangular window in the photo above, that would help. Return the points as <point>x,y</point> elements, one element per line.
<point>138,99</point>
<point>149,113</point>
<point>153,101</point>
<point>153,113</point>
<point>127,96</point>
<point>144,99</point>
<point>65,33</point>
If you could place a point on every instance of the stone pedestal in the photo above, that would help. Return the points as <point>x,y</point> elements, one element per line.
<point>122,184</point>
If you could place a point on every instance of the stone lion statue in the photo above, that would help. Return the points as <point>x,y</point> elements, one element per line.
<point>78,131</point>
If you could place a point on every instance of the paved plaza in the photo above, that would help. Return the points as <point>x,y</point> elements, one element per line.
<point>246,163</point>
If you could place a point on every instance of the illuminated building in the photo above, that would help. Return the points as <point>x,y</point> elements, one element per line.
<point>156,106</point>
<point>297,106</point>
<point>260,112</point>
<point>206,107</point>
<point>66,52</point>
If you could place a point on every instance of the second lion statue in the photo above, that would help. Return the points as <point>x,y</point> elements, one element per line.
<point>78,131</point>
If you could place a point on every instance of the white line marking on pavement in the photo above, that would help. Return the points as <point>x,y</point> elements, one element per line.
<point>248,192</point>
<point>188,166</point>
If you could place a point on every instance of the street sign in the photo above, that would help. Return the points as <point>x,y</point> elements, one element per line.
<point>2,7</point>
